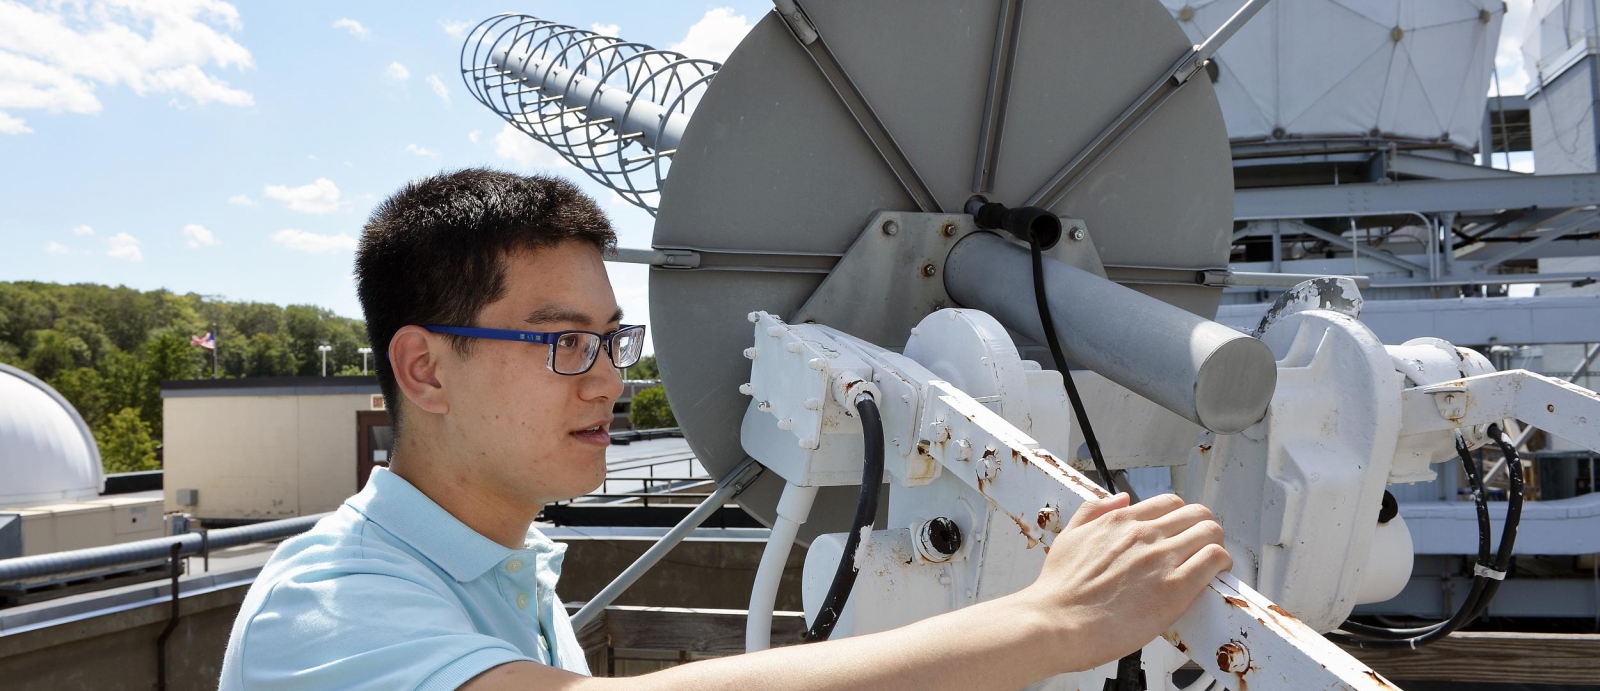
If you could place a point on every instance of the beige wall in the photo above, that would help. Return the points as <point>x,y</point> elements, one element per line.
<point>261,456</point>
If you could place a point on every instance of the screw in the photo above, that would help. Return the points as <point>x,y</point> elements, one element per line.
<point>949,228</point>
<point>750,353</point>
<point>746,389</point>
<point>890,227</point>
<point>963,450</point>
<point>928,270</point>
<point>1077,234</point>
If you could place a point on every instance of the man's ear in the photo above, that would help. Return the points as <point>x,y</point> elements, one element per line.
<point>414,356</point>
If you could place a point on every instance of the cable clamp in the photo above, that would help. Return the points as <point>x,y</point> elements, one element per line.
<point>1486,572</point>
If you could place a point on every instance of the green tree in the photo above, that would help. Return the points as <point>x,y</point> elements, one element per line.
<point>50,351</point>
<point>83,388</point>
<point>123,378</point>
<point>644,369</point>
<point>650,410</point>
<point>125,443</point>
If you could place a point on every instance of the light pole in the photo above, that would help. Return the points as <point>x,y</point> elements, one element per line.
<point>364,353</point>
<point>324,348</point>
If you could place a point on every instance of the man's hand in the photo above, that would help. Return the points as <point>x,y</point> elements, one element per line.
<point>1119,575</point>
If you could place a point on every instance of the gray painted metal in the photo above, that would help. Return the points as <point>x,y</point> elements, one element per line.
<point>60,563</point>
<point>1466,321</point>
<point>741,478</point>
<point>773,164</point>
<point>1210,374</point>
<point>1418,196</point>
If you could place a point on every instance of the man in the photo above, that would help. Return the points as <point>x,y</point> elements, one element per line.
<point>503,344</point>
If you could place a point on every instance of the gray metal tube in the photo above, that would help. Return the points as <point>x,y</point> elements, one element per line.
<point>62,563</point>
<point>1210,374</point>
<point>738,480</point>
<point>659,128</point>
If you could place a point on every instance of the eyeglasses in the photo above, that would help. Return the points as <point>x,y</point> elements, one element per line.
<point>571,352</point>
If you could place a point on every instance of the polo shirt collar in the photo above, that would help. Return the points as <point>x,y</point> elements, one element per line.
<point>400,508</point>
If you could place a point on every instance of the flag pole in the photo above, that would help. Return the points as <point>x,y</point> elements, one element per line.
<point>216,342</point>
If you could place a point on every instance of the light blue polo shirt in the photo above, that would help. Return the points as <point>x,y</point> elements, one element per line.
<point>392,592</point>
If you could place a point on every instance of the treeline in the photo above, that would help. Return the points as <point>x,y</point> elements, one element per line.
<point>108,349</point>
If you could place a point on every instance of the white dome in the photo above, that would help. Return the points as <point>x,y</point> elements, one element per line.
<point>47,454</point>
<point>1409,69</point>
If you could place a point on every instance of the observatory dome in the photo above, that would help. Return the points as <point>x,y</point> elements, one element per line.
<point>1399,69</point>
<point>47,454</point>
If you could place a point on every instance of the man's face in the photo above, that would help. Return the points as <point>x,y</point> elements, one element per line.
<point>541,436</point>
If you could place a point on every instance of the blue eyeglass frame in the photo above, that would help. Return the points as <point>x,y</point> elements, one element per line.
<point>546,338</point>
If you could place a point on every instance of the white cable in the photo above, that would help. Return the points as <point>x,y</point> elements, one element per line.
<point>793,508</point>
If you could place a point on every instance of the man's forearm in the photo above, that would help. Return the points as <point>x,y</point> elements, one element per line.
<point>993,645</point>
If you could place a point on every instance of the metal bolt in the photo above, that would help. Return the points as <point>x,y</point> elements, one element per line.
<point>818,364</point>
<point>1233,657</point>
<point>786,424</point>
<point>1076,234</point>
<point>753,317</point>
<point>809,444</point>
<point>890,227</point>
<point>939,431</point>
<point>764,406</point>
<point>793,346</point>
<point>750,353</point>
<point>963,450</point>
<point>746,389</point>
<point>813,404</point>
<point>949,228</point>
<point>929,270</point>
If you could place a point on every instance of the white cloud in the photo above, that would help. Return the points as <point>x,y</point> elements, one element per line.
<point>413,148</point>
<point>1514,67</point>
<point>473,136</point>
<point>511,144</point>
<point>53,247</point>
<point>354,27</point>
<point>456,29</point>
<point>715,35</point>
<point>81,231</point>
<point>55,55</point>
<point>302,241</point>
<point>319,197</point>
<point>124,246</point>
<point>439,89</point>
<point>11,124</point>
<point>397,72</point>
<point>242,200</point>
<point>612,30</point>
<point>196,235</point>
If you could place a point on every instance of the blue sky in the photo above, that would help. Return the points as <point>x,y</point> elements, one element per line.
<point>236,149</point>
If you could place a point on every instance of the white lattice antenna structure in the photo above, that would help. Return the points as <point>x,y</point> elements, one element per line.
<point>1401,69</point>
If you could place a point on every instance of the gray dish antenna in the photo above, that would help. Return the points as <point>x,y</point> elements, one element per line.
<point>823,119</point>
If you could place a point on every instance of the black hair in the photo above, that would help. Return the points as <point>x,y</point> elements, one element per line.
<point>434,253</point>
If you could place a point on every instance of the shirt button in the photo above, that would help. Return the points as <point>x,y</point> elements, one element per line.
<point>522,601</point>
<point>514,566</point>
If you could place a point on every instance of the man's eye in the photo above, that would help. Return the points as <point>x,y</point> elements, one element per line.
<point>567,341</point>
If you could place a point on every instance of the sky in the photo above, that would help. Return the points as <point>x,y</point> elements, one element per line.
<point>236,149</point>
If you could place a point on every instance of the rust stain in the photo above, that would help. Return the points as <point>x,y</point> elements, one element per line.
<point>922,447</point>
<point>1182,648</point>
<point>1281,612</point>
<point>1236,601</point>
<point>1205,448</point>
<point>1380,681</point>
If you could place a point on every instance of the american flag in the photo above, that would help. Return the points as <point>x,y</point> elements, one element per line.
<point>207,341</point>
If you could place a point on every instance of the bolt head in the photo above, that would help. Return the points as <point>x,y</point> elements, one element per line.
<point>890,227</point>
<point>1077,234</point>
<point>746,389</point>
<point>750,353</point>
<point>949,228</point>
<point>929,270</point>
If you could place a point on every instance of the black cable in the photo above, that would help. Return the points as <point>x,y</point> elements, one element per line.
<point>1060,358</point>
<point>844,578</point>
<point>1130,672</point>
<point>1483,585</point>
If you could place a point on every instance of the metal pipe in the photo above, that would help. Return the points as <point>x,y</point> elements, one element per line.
<point>1261,279</point>
<point>62,563</point>
<point>659,127</point>
<point>1208,373</point>
<point>738,480</point>
<point>1204,51</point>
<point>794,506</point>
<point>1527,432</point>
